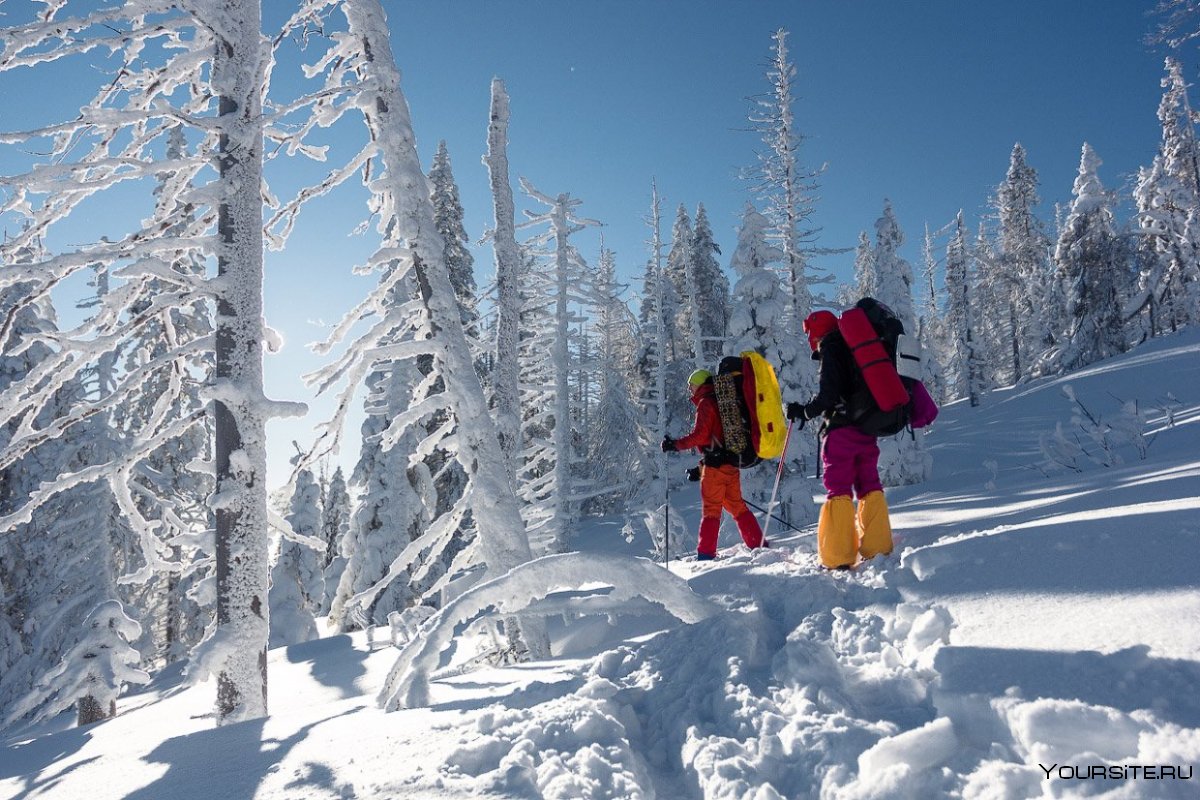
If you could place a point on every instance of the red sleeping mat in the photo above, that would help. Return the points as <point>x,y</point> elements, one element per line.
<point>877,367</point>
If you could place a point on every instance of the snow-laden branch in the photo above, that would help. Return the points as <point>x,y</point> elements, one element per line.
<point>136,452</point>
<point>432,540</point>
<point>521,591</point>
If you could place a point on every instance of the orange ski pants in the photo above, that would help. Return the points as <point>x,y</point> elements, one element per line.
<point>721,489</point>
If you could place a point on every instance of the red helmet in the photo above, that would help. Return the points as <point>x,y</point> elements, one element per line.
<point>818,324</point>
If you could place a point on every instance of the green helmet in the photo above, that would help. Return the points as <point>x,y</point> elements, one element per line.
<point>698,377</point>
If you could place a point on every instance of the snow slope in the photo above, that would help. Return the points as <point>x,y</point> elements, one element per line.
<point>1028,617</point>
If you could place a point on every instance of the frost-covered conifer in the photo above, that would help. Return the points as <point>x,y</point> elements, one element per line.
<point>710,302</point>
<point>866,279</point>
<point>1088,258</point>
<point>964,362</point>
<point>92,673</point>
<point>616,462</point>
<point>893,273</point>
<point>1021,273</point>
<point>395,504</point>
<point>930,327</point>
<point>448,216</point>
<point>685,327</point>
<point>335,523</point>
<point>566,282</point>
<point>1168,203</point>
<point>297,583</point>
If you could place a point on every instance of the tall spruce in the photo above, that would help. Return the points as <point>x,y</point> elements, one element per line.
<point>1089,262</point>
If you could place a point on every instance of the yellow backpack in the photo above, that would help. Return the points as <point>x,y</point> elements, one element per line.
<point>768,429</point>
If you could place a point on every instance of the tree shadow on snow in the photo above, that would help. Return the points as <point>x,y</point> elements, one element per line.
<point>1126,680</point>
<point>336,662</point>
<point>1117,555</point>
<point>230,761</point>
<point>29,760</point>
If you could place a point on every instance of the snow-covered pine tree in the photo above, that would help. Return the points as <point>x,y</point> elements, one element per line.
<point>685,327</point>
<point>758,306</point>
<point>893,273</point>
<point>930,325</point>
<point>1168,204</point>
<point>57,562</point>
<point>1089,271</point>
<point>395,504</point>
<point>1022,274</point>
<point>710,302</point>
<point>92,673</point>
<point>964,363</point>
<point>866,278</point>
<point>335,524</point>
<point>903,459</point>
<point>616,462</point>
<point>297,583</point>
<point>448,217</point>
<point>430,325</point>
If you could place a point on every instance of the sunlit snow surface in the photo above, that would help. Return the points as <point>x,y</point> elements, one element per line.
<point>1027,617</point>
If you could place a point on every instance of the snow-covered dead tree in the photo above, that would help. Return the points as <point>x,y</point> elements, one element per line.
<point>787,190</point>
<point>201,66</point>
<point>506,369</point>
<point>567,283</point>
<point>361,78</point>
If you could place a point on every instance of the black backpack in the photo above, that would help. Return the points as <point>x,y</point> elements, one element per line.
<point>737,448</point>
<point>864,412</point>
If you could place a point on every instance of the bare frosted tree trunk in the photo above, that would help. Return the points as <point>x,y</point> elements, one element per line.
<point>506,377</point>
<point>240,505</point>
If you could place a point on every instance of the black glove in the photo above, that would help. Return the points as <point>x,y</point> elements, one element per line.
<point>693,474</point>
<point>668,444</point>
<point>795,413</point>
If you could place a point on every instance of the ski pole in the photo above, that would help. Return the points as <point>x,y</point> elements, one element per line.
<point>666,521</point>
<point>778,474</point>
<point>780,520</point>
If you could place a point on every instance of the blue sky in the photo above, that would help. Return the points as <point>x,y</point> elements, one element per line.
<point>920,103</point>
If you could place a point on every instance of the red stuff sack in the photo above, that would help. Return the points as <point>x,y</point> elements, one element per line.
<point>877,365</point>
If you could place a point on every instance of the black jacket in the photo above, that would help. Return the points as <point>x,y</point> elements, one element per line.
<point>840,390</point>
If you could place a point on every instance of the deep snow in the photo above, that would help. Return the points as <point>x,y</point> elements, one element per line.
<point>1026,617</point>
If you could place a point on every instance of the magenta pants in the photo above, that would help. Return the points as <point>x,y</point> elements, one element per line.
<point>851,463</point>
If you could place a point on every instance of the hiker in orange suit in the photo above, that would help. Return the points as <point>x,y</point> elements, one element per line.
<point>720,483</point>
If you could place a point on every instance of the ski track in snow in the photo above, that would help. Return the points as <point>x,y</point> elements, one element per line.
<point>1025,617</point>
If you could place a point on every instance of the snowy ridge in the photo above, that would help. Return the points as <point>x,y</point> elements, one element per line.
<point>1031,627</point>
